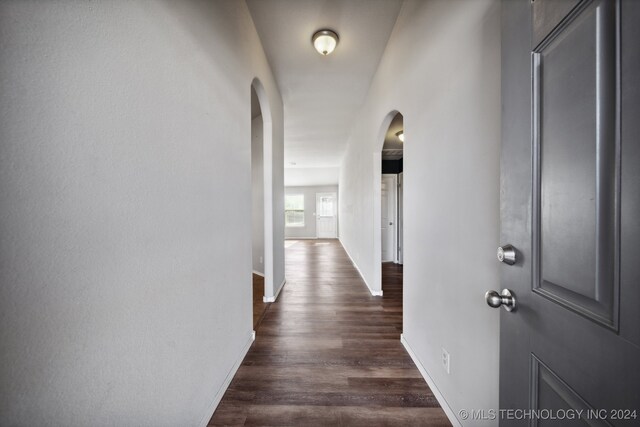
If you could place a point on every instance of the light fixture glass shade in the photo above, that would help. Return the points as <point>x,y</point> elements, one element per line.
<point>400,136</point>
<point>325,41</point>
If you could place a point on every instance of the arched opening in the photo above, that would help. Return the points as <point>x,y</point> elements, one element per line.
<point>257,209</point>
<point>261,203</point>
<point>391,194</point>
<point>391,202</point>
<point>388,202</point>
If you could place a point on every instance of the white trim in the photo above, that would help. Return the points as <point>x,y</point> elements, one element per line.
<point>257,273</point>
<point>394,220</point>
<point>377,202</point>
<point>374,293</point>
<point>218,397</point>
<point>300,238</point>
<point>400,220</point>
<point>275,297</point>
<point>377,216</point>
<point>432,385</point>
<point>267,183</point>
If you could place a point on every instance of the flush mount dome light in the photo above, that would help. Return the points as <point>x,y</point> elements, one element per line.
<point>325,41</point>
<point>400,136</point>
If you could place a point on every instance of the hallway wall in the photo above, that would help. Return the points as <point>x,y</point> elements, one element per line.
<point>257,195</point>
<point>441,70</point>
<point>309,192</point>
<point>125,255</point>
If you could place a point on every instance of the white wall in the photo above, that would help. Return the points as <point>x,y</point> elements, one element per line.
<point>125,255</point>
<point>441,70</point>
<point>309,229</point>
<point>274,190</point>
<point>257,195</point>
<point>305,177</point>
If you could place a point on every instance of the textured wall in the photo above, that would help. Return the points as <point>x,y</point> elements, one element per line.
<point>257,195</point>
<point>125,255</point>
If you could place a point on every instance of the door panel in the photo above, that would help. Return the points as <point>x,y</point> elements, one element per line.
<point>550,392</point>
<point>547,14</point>
<point>575,168</point>
<point>570,198</point>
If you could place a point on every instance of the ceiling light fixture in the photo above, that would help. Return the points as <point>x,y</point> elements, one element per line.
<point>325,41</point>
<point>400,136</point>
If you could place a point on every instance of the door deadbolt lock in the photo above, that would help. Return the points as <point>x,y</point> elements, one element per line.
<point>507,254</point>
<point>506,299</point>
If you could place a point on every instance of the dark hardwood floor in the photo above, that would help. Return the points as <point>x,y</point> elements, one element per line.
<point>392,288</point>
<point>327,352</point>
<point>259,306</point>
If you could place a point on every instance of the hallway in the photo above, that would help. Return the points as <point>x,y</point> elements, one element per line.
<point>327,352</point>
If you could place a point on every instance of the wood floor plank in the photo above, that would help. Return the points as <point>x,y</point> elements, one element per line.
<point>327,352</point>
<point>259,306</point>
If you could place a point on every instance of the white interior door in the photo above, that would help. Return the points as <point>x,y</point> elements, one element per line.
<point>326,212</point>
<point>388,204</point>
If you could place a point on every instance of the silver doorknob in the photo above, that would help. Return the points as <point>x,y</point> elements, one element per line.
<point>507,254</point>
<point>505,299</point>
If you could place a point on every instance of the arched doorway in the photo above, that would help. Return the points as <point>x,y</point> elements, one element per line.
<point>261,203</point>
<point>388,183</point>
<point>391,192</point>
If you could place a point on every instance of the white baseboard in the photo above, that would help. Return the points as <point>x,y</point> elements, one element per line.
<point>374,293</point>
<point>275,297</point>
<point>432,385</point>
<point>257,273</point>
<point>216,400</point>
<point>300,238</point>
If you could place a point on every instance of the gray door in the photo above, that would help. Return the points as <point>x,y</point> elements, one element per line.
<point>570,205</point>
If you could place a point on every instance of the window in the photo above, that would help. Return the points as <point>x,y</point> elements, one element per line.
<point>294,210</point>
<point>326,206</point>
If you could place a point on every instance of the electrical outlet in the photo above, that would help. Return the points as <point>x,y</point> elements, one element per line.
<point>260,260</point>
<point>446,361</point>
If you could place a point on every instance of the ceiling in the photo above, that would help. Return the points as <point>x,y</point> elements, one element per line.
<point>321,94</point>
<point>393,147</point>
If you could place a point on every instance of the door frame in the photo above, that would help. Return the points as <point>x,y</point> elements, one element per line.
<point>394,220</point>
<point>400,219</point>
<point>268,206</point>
<point>376,286</point>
